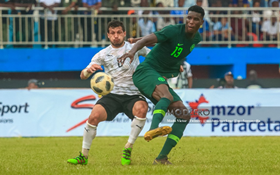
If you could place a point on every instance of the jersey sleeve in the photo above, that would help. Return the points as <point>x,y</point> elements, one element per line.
<point>166,33</point>
<point>96,59</point>
<point>144,51</point>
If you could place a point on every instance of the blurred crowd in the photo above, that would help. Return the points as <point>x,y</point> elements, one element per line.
<point>258,25</point>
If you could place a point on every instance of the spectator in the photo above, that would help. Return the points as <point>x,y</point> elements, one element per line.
<point>22,23</point>
<point>166,3</point>
<point>221,30</point>
<point>164,21</point>
<point>146,25</point>
<point>269,13</point>
<point>135,3</point>
<point>4,27</point>
<point>187,3</point>
<point>206,18</point>
<point>229,82</point>
<point>157,14</point>
<point>225,3</point>
<point>256,19</point>
<point>184,79</point>
<point>90,34</point>
<point>32,84</point>
<point>123,3</point>
<point>70,34</point>
<point>133,25</point>
<point>270,29</point>
<point>144,3</point>
<point>253,81</point>
<point>263,3</point>
<point>216,3</point>
<point>179,12</point>
<point>245,3</point>
<point>51,20</point>
<point>205,32</point>
<point>274,3</point>
<point>239,30</point>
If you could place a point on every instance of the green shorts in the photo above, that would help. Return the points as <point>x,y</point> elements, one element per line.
<point>146,79</point>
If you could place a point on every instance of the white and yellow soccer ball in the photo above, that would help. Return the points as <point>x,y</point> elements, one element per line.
<point>102,83</point>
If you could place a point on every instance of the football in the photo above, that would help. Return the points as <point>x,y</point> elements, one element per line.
<point>102,83</point>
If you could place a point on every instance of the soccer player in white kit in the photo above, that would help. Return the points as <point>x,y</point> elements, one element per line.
<point>125,97</point>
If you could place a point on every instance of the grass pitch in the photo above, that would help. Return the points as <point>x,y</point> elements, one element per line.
<point>193,155</point>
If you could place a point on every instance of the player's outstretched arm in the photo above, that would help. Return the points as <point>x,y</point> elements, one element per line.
<point>88,71</point>
<point>145,41</point>
<point>134,40</point>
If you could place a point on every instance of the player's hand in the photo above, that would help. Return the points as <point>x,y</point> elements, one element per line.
<point>124,57</point>
<point>181,68</point>
<point>94,68</point>
<point>131,40</point>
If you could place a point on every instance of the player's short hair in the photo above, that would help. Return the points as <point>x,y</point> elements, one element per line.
<point>115,23</point>
<point>198,9</point>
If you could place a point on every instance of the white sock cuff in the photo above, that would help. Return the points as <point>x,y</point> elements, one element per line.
<point>138,118</point>
<point>90,125</point>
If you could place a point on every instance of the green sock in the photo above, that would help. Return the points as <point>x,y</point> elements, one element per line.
<point>159,112</point>
<point>173,138</point>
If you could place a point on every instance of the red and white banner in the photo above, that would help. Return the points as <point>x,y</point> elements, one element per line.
<point>215,112</point>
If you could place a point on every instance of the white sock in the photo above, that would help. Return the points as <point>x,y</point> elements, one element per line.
<point>89,135</point>
<point>136,127</point>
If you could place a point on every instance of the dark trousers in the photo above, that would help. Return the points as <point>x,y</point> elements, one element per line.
<point>52,34</point>
<point>23,29</point>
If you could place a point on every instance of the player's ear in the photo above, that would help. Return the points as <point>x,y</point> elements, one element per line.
<point>202,21</point>
<point>124,33</point>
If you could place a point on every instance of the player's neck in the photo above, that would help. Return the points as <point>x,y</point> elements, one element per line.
<point>116,47</point>
<point>190,35</point>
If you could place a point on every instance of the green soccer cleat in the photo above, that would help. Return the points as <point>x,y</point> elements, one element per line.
<point>78,160</point>
<point>126,158</point>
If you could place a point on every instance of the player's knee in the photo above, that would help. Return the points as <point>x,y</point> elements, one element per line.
<point>140,109</point>
<point>94,118</point>
<point>168,96</point>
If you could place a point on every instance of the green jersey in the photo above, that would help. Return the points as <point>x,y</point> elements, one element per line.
<point>172,48</point>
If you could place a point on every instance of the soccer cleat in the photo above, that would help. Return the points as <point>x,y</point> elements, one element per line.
<point>163,161</point>
<point>126,156</point>
<point>161,131</point>
<point>78,160</point>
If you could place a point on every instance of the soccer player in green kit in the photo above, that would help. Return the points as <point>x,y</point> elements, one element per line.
<point>174,43</point>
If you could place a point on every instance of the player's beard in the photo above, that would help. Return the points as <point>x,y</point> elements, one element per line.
<point>118,44</point>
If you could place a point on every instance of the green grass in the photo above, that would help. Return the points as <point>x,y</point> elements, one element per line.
<point>193,155</point>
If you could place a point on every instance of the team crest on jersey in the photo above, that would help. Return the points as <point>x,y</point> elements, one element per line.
<point>192,47</point>
<point>161,79</point>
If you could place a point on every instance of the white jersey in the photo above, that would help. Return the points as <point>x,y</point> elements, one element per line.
<point>182,79</point>
<point>122,75</point>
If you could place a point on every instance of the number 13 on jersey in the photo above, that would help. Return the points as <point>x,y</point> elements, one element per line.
<point>177,52</point>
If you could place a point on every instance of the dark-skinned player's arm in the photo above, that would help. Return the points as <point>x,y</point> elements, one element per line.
<point>134,40</point>
<point>145,41</point>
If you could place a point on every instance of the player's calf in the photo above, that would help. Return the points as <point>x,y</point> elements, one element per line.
<point>139,111</point>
